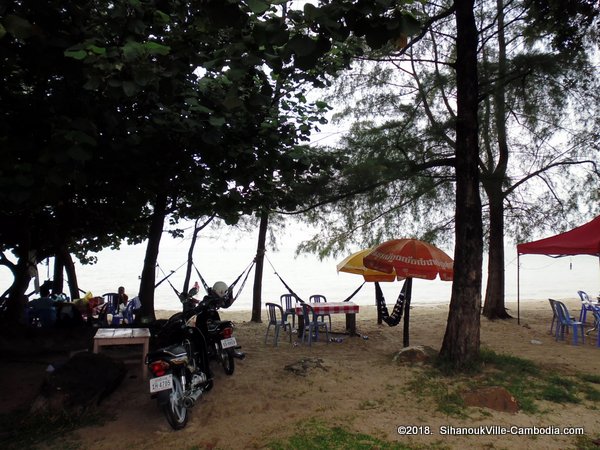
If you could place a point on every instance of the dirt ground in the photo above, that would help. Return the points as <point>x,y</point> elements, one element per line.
<point>357,386</point>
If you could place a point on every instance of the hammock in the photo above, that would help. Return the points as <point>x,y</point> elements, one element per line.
<point>166,278</point>
<point>355,292</point>
<point>230,294</point>
<point>391,319</point>
<point>245,274</point>
<point>296,295</point>
<point>284,283</point>
<point>208,290</point>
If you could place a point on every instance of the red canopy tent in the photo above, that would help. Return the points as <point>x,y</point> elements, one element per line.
<point>583,240</point>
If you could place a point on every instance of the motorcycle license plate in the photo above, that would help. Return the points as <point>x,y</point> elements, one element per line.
<point>161,383</point>
<point>229,342</point>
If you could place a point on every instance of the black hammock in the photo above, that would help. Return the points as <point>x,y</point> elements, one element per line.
<point>382,311</point>
<point>207,288</point>
<point>296,295</point>
<point>244,274</point>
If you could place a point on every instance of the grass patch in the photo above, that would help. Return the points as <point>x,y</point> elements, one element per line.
<point>521,377</point>
<point>586,442</point>
<point>29,430</point>
<point>446,395</point>
<point>509,364</point>
<point>315,435</point>
<point>591,394</point>
<point>590,378</point>
<point>560,390</point>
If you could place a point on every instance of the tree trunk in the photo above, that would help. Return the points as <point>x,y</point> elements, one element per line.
<point>494,294</point>
<point>71,274</point>
<point>58,281</point>
<point>190,261</point>
<point>258,270</point>
<point>23,272</point>
<point>461,340</point>
<point>148,272</point>
<point>494,307</point>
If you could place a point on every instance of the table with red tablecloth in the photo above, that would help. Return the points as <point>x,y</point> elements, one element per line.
<point>348,308</point>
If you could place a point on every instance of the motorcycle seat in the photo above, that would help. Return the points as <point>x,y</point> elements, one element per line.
<point>175,351</point>
<point>214,325</point>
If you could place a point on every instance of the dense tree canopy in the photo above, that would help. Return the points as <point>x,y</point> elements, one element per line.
<point>533,107</point>
<point>119,114</point>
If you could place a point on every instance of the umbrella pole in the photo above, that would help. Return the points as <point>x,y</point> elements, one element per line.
<point>407,296</point>
<point>377,303</point>
<point>518,291</point>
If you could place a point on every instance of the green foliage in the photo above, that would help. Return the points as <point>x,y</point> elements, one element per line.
<point>202,109</point>
<point>564,22</point>
<point>400,110</point>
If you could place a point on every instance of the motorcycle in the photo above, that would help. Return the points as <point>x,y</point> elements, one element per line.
<point>222,345</point>
<point>179,368</point>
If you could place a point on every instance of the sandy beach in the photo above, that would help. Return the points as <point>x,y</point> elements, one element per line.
<point>356,385</point>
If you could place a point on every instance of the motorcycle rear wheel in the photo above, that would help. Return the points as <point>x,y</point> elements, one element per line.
<point>177,415</point>
<point>226,356</point>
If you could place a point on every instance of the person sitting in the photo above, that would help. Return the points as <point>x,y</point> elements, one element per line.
<point>41,311</point>
<point>121,299</point>
<point>188,300</point>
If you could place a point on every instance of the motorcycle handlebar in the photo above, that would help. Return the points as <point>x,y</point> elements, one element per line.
<point>207,303</point>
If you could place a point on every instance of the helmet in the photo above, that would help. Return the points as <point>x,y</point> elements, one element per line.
<point>220,289</point>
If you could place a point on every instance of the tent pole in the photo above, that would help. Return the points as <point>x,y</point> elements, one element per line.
<point>518,290</point>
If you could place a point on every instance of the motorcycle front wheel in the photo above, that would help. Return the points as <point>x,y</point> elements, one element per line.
<point>226,356</point>
<point>175,412</point>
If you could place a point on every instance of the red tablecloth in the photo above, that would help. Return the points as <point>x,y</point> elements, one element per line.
<point>331,308</point>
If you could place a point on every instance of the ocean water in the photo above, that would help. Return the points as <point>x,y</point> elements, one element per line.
<point>224,256</point>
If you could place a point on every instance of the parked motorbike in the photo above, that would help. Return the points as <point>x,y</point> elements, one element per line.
<point>179,368</point>
<point>222,345</point>
<point>184,345</point>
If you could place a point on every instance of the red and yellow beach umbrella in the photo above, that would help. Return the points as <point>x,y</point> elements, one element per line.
<point>354,264</point>
<point>410,258</point>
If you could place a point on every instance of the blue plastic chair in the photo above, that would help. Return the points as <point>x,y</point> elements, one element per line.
<point>318,298</point>
<point>312,325</point>
<point>554,317</point>
<point>586,305</point>
<point>596,312</point>
<point>288,302</point>
<point>128,314</point>
<point>278,319</point>
<point>566,321</point>
<point>112,300</point>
